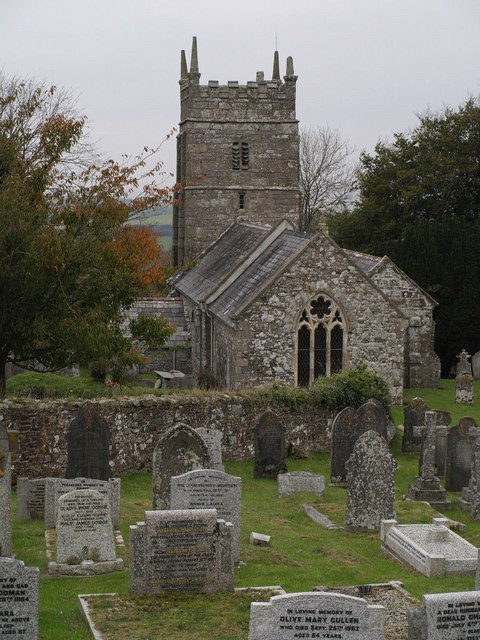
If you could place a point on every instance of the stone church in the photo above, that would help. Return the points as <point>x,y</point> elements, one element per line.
<point>264,301</point>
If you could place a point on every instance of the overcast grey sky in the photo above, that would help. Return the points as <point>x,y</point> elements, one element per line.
<point>365,67</point>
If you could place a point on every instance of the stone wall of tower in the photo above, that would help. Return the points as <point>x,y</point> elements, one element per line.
<point>214,117</point>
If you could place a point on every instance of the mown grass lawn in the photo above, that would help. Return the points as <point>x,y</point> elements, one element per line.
<point>301,555</point>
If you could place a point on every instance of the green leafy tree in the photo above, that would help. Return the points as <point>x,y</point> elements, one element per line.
<point>69,265</point>
<point>419,204</point>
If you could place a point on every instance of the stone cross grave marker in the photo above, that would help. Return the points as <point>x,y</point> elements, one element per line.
<point>31,498</point>
<point>213,440</point>
<point>316,615</point>
<point>88,445</point>
<point>179,450</point>
<point>270,448</point>
<point>210,489</point>
<point>85,540</point>
<point>57,487</point>
<point>460,441</point>
<point>181,551</point>
<point>414,421</point>
<point>446,616</point>
<point>5,494</point>
<point>370,484</point>
<point>463,364</point>
<point>18,599</point>
<point>464,379</point>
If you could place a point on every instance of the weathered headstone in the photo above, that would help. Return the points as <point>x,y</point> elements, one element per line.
<point>476,365</point>
<point>299,481</point>
<point>446,616</point>
<point>347,427</point>
<point>18,599</point>
<point>316,615</point>
<point>210,489</point>
<point>470,499</point>
<point>460,441</point>
<point>31,498</point>
<point>182,550</point>
<point>85,541</point>
<point>370,484</point>
<point>179,450</point>
<point>57,487</point>
<point>88,445</point>
<point>414,422</point>
<point>463,364</point>
<point>427,486</point>
<point>270,447</point>
<point>213,440</point>
<point>464,388</point>
<point>5,494</point>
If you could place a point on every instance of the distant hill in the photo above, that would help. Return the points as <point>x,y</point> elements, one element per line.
<point>158,219</point>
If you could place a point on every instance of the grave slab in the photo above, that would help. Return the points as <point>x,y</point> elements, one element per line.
<point>18,599</point>
<point>300,481</point>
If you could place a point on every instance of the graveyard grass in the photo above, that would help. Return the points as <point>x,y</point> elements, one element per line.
<point>302,554</point>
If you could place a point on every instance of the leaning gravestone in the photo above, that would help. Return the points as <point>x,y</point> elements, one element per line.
<point>85,540</point>
<point>179,450</point>
<point>370,484</point>
<point>182,551</point>
<point>88,445</point>
<point>18,599</point>
<point>460,441</point>
<point>213,440</point>
<point>414,423</point>
<point>316,615</point>
<point>57,487</point>
<point>31,498</point>
<point>446,616</point>
<point>5,494</point>
<point>270,448</point>
<point>347,427</point>
<point>299,481</point>
<point>210,489</point>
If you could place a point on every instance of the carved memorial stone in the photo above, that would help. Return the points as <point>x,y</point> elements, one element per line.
<point>18,599</point>
<point>470,498</point>
<point>370,484</point>
<point>270,447</point>
<point>446,616</point>
<point>181,551</point>
<point>476,365</point>
<point>213,440</point>
<point>211,489</point>
<point>31,498</point>
<point>300,481</point>
<point>414,422</point>
<point>5,494</point>
<point>85,540</point>
<point>179,450</point>
<point>460,441</point>
<point>88,445</point>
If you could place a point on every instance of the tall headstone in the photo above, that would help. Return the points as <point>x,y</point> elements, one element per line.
<point>316,615</point>
<point>464,379</point>
<point>213,440</point>
<point>179,450</point>
<point>18,599</point>
<point>270,447</point>
<point>5,494</point>
<point>476,365</point>
<point>471,493</point>
<point>181,551</point>
<point>427,486</point>
<point>31,498</point>
<point>370,484</point>
<point>85,541</point>
<point>88,445</point>
<point>210,489</point>
<point>446,616</point>
<point>460,441</point>
<point>414,423</point>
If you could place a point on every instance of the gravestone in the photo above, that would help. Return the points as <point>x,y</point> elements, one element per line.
<point>85,541</point>
<point>463,364</point>
<point>464,388</point>
<point>300,481</point>
<point>5,494</point>
<point>57,487</point>
<point>179,450</point>
<point>370,484</point>
<point>470,499</point>
<point>316,615</point>
<point>181,551</point>
<point>476,365</point>
<point>460,441</point>
<point>88,445</point>
<point>347,427</point>
<point>427,486</point>
<point>31,498</point>
<point>414,422</point>
<point>210,489</point>
<point>446,616</point>
<point>18,599</point>
<point>213,440</point>
<point>270,448</point>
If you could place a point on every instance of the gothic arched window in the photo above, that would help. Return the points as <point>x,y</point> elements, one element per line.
<point>321,338</point>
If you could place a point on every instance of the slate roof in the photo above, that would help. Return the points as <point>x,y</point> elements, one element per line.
<point>219,260</point>
<point>363,261</point>
<point>171,309</point>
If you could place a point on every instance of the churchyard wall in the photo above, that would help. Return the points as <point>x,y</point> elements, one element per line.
<point>137,423</point>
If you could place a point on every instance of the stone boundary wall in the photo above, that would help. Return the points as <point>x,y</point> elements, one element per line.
<point>137,423</point>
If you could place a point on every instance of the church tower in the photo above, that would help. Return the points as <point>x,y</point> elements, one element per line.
<point>237,155</point>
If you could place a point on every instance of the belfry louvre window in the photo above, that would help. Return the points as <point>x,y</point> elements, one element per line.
<point>240,155</point>
<point>320,340</point>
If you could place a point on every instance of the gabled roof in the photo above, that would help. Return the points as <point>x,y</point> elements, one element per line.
<point>363,260</point>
